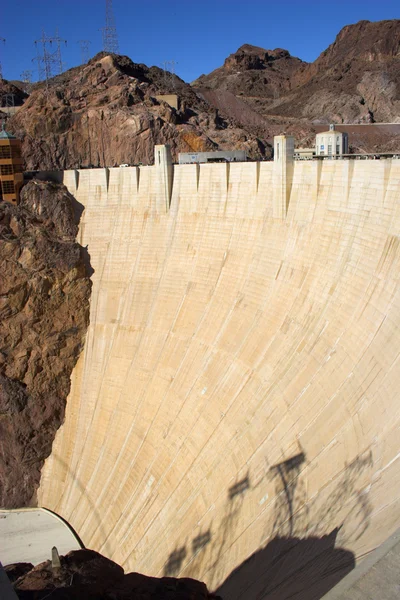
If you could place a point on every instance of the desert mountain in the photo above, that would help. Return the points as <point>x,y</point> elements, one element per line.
<point>355,80</point>
<point>105,113</point>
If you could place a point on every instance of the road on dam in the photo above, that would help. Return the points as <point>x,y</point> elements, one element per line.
<point>234,416</point>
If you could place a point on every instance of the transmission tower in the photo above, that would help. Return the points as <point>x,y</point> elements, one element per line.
<point>110,37</point>
<point>1,68</point>
<point>84,45</point>
<point>168,66</point>
<point>49,62</point>
<point>26,76</point>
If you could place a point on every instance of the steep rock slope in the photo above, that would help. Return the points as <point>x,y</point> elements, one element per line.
<point>105,113</point>
<point>44,313</point>
<point>356,79</point>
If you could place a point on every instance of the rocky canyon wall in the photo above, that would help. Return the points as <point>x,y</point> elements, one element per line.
<point>44,313</point>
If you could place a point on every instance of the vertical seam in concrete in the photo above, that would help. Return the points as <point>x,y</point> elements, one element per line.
<point>257,176</point>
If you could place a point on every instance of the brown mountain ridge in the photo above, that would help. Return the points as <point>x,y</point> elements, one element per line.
<point>356,79</point>
<point>106,112</point>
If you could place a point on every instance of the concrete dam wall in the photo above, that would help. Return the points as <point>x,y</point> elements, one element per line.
<point>239,386</point>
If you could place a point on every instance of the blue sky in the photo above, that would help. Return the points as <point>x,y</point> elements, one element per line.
<point>197,35</point>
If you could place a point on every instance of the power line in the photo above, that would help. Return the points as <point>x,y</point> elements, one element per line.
<point>1,68</point>
<point>49,62</point>
<point>110,37</point>
<point>84,45</point>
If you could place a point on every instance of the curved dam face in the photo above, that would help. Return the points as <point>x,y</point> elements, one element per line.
<point>239,385</point>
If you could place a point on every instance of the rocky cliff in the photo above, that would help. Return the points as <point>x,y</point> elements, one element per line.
<point>44,313</point>
<point>106,113</point>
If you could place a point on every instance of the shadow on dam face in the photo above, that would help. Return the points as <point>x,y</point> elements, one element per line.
<point>301,569</point>
<point>292,565</point>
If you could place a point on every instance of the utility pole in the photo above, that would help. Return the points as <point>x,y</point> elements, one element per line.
<point>110,37</point>
<point>1,68</point>
<point>49,62</point>
<point>84,45</point>
<point>26,78</point>
<point>168,66</point>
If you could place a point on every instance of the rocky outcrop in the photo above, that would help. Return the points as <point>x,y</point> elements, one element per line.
<point>44,313</point>
<point>106,113</point>
<point>253,71</point>
<point>88,575</point>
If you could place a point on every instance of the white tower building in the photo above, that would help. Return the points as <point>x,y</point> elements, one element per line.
<point>331,143</point>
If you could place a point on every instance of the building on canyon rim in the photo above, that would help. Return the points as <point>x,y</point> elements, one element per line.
<point>11,167</point>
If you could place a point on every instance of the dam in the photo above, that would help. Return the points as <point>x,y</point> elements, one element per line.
<point>239,387</point>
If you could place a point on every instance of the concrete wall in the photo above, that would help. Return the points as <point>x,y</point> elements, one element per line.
<point>171,99</point>
<point>232,340</point>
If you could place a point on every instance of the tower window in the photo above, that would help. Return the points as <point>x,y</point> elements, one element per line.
<point>6,169</point>
<point>8,187</point>
<point>5,152</point>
